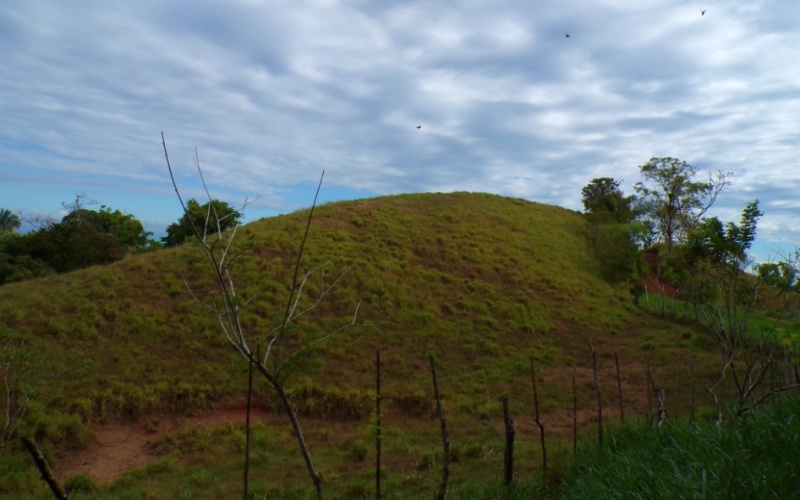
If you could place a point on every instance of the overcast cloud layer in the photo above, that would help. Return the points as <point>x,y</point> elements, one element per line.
<point>273,92</point>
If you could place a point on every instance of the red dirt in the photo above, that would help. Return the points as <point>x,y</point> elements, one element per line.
<point>652,283</point>
<point>122,446</point>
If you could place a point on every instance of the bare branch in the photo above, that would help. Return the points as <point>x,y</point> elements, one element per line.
<point>218,252</point>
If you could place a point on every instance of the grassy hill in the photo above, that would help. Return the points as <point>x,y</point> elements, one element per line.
<point>483,283</point>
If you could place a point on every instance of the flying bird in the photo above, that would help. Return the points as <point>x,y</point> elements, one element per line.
<point>566,35</point>
<point>419,126</point>
<point>702,13</point>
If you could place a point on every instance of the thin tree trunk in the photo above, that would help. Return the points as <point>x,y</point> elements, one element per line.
<point>536,417</point>
<point>44,468</point>
<point>445,440</point>
<point>298,432</point>
<point>247,427</point>
<point>508,456</point>
<point>378,425</point>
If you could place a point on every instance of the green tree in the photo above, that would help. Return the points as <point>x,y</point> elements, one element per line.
<point>614,232</point>
<point>69,246</point>
<point>605,203</point>
<point>722,250</point>
<point>21,267</point>
<point>128,230</point>
<point>673,200</point>
<point>617,251</point>
<point>9,221</point>
<point>210,218</point>
<point>83,238</point>
<point>783,275</point>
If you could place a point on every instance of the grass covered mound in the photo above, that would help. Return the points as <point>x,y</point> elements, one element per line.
<point>484,283</point>
<point>476,277</point>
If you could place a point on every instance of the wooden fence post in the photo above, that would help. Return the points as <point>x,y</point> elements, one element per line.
<point>378,425</point>
<point>536,417</point>
<point>599,397</point>
<point>619,389</point>
<point>694,393</point>
<point>508,461</point>
<point>445,440</point>
<point>662,411</point>
<point>574,415</point>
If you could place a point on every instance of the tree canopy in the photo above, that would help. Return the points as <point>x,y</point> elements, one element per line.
<point>673,200</point>
<point>614,232</point>
<point>783,275</point>
<point>212,217</point>
<point>9,221</point>
<point>83,238</point>
<point>128,230</point>
<point>604,201</point>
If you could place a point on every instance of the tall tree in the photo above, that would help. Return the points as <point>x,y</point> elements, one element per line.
<point>673,200</point>
<point>9,221</point>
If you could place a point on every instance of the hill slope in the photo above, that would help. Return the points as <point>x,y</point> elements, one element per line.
<point>482,282</point>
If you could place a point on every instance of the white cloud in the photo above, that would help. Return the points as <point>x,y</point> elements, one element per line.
<point>273,92</point>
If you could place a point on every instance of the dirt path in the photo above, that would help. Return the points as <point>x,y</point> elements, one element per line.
<point>122,446</point>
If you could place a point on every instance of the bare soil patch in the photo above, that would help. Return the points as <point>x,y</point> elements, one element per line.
<point>122,446</point>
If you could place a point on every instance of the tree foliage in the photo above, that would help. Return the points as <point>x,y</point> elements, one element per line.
<point>605,203</point>
<point>727,244</point>
<point>212,217</point>
<point>673,200</point>
<point>127,229</point>
<point>783,275</point>
<point>83,238</point>
<point>617,251</point>
<point>9,221</point>
<point>614,232</point>
<point>69,246</point>
<point>720,251</point>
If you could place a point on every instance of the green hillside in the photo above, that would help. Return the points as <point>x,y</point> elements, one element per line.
<point>483,283</point>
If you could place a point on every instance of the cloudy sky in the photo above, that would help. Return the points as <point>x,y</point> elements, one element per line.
<point>393,96</point>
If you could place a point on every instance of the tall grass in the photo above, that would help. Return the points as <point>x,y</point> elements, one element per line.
<point>751,456</point>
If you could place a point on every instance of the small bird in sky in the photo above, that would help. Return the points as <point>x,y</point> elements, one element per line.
<point>702,13</point>
<point>566,35</point>
<point>419,126</point>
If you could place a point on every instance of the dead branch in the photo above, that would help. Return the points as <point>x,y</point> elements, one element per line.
<point>44,468</point>
<point>273,366</point>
